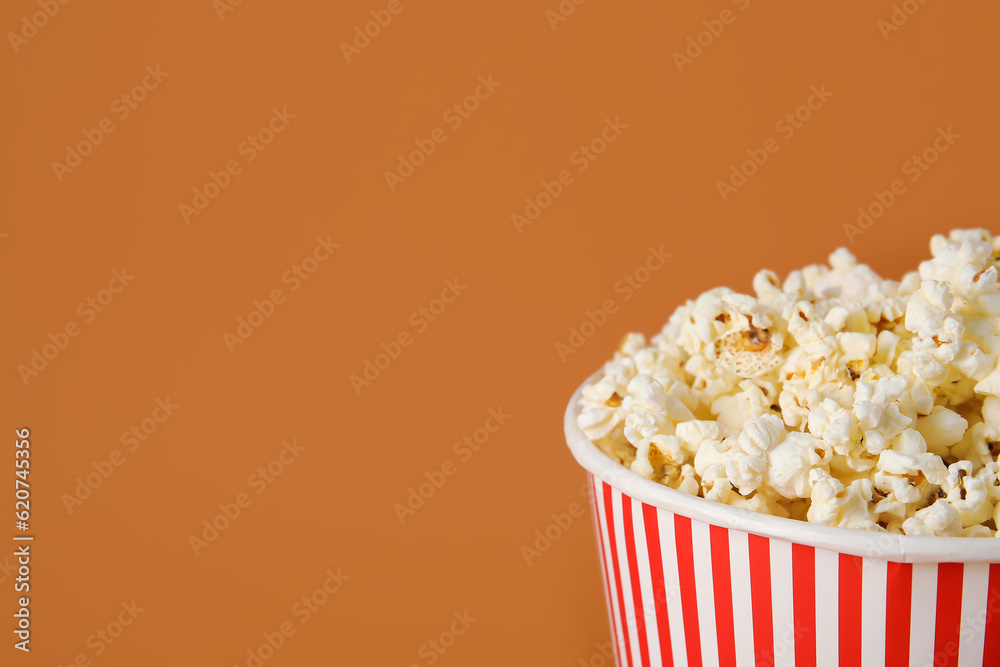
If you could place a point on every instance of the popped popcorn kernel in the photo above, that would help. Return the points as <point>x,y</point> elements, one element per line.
<point>835,396</point>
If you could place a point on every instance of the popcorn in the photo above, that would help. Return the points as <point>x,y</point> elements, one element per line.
<point>906,475</point>
<point>749,402</point>
<point>836,397</point>
<point>685,481</point>
<point>834,504</point>
<point>941,429</point>
<point>791,462</point>
<point>657,455</point>
<point>968,493</point>
<point>695,434</point>
<point>745,463</point>
<point>940,519</point>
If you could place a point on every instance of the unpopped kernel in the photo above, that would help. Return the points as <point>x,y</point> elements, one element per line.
<point>836,397</point>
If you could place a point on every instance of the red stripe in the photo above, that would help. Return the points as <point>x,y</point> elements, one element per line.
<point>949,614</point>
<point>723,585</point>
<point>804,601</point>
<point>898,606</point>
<point>991,656</point>
<point>659,588</point>
<point>850,609</point>
<point>633,568</point>
<point>609,515</point>
<point>760,595</point>
<point>689,594</point>
<point>595,496</point>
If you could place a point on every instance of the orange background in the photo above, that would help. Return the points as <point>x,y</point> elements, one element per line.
<point>494,347</point>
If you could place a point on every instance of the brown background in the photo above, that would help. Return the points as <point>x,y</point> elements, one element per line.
<point>494,347</point>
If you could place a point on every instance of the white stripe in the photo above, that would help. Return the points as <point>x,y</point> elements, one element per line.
<point>609,566</point>
<point>739,565</point>
<point>782,603</point>
<point>646,583</point>
<point>595,499</point>
<point>827,608</point>
<point>923,614</point>
<point>874,578</point>
<point>672,586</point>
<point>628,614</point>
<point>701,542</point>
<point>975,589</point>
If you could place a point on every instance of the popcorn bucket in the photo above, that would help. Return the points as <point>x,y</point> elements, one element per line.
<point>689,581</point>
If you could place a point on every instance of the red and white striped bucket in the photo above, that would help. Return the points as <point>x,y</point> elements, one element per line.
<point>693,582</point>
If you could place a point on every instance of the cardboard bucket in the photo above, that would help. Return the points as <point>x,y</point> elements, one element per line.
<point>693,582</point>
